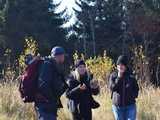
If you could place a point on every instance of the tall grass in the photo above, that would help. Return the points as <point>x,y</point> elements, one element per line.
<point>12,108</point>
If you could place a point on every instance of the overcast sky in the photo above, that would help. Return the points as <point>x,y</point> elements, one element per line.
<point>69,4</point>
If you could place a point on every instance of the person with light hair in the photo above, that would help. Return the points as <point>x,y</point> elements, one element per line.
<point>79,93</point>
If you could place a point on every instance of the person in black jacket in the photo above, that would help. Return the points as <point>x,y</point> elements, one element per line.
<point>51,85</point>
<point>80,93</point>
<point>124,88</point>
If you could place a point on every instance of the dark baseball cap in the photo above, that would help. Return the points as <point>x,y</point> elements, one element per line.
<point>57,51</point>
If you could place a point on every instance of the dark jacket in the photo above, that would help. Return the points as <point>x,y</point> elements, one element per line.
<point>51,85</point>
<point>124,90</point>
<point>80,102</point>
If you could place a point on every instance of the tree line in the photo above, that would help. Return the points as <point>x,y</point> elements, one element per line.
<point>118,26</point>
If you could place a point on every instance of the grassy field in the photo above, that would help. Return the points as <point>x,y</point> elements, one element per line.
<point>12,108</point>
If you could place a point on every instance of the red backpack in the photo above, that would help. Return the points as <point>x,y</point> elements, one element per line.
<point>29,81</point>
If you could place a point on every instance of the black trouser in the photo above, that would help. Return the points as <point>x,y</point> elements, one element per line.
<point>43,115</point>
<point>84,115</point>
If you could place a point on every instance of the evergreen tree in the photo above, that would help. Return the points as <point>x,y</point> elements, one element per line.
<point>36,18</point>
<point>145,30</point>
<point>99,22</point>
<point>85,25</point>
<point>109,31</point>
<point>2,26</point>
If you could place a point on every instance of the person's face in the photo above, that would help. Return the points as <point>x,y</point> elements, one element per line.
<point>121,68</point>
<point>60,58</point>
<point>81,69</point>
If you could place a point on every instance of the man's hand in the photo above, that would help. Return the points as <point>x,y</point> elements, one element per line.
<point>121,70</point>
<point>120,74</point>
<point>83,87</point>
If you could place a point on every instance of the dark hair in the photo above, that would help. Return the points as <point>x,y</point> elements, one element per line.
<point>79,62</point>
<point>123,59</point>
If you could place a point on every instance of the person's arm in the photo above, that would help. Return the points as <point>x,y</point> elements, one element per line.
<point>135,87</point>
<point>44,80</point>
<point>58,84</point>
<point>114,82</point>
<point>95,89</point>
<point>72,91</point>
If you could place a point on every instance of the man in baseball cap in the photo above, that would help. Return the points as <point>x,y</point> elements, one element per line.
<point>51,85</point>
<point>58,53</point>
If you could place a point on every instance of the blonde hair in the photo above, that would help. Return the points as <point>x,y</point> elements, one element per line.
<point>76,74</point>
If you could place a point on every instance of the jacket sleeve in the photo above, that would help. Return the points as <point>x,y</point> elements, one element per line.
<point>44,80</point>
<point>114,82</point>
<point>95,90</point>
<point>59,86</point>
<point>135,87</point>
<point>73,91</point>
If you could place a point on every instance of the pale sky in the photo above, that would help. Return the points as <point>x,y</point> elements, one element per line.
<point>69,4</point>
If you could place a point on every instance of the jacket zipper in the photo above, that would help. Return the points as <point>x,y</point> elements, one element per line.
<point>123,101</point>
<point>123,98</point>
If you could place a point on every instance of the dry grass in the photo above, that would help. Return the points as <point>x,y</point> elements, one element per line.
<point>12,108</point>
